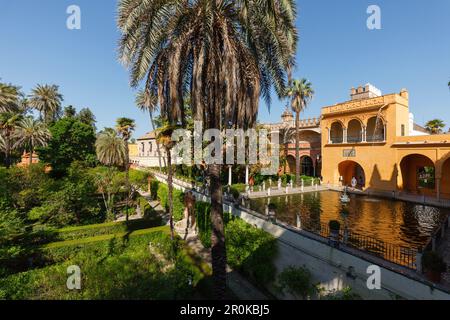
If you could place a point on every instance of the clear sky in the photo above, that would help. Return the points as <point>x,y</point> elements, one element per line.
<point>336,51</point>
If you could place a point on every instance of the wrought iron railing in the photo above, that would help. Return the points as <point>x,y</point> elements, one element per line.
<point>401,255</point>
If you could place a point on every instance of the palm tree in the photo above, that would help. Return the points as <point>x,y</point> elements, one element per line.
<point>125,128</point>
<point>110,148</point>
<point>31,133</point>
<point>8,124</point>
<point>224,54</point>
<point>148,101</point>
<point>47,100</point>
<point>435,126</point>
<point>300,94</point>
<point>2,143</point>
<point>9,98</point>
<point>164,137</point>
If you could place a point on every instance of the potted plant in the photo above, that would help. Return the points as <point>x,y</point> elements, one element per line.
<point>433,265</point>
<point>335,227</point>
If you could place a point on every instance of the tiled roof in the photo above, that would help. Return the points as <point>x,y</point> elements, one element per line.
<point>147,136</point>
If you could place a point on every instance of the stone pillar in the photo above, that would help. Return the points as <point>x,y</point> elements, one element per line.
<point>364,134</point>
<point>384,133</point>
<point>345,135</point>
<point>329,136</point>
<point>246,174</point>
<point>230,176</point>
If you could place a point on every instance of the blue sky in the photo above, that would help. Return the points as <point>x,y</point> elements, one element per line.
<point>336,51</point>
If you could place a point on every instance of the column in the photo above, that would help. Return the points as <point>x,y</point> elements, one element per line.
<point>364,134</point>
<point>246,175</point>
<point>230,176</point>
<point>345,135</point>
<point>384,133</point>
<point>329,136</point>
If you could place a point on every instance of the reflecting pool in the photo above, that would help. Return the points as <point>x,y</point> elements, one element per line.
<point>395,222</point>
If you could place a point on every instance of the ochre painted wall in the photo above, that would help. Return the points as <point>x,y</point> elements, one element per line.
<point>381,161</point>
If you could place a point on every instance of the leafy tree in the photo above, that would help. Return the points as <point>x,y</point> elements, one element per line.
<point>108,182</point>
<point>86,116</point>
<point>8,125</point>
<point>69,112</point>
<point>110,148</point>
<point>9,97</point>
<point>73,203</point>
<point>31,133</point>
<point>47,100</point>
<point>300,93</point>
<point>435,126</point>
<point>71,141</point>
<point>224,54</point>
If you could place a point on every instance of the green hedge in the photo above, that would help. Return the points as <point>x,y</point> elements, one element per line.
<point>178,201</point>
<point>111,269</point>
<point>249,249</point>
<point>106,228</point>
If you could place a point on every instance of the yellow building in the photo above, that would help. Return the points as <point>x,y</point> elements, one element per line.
<point>372,142</point>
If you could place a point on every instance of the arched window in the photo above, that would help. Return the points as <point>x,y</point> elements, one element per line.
<point>354,131</point>
<point>375,130</point>
<point>336,133</point>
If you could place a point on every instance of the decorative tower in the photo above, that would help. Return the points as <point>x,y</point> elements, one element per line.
<point>287,117</point>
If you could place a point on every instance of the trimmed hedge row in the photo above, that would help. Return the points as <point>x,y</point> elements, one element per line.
<point>107,228</point>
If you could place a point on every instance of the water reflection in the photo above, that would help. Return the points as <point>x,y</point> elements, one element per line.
<point>395,222</point>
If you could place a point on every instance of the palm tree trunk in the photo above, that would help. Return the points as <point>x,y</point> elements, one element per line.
<point>157,143</point>
<point>127,175</point>
<point>170,192</point>
<point>297,148</point>
<point>218,248</point>
<point>31,154</point>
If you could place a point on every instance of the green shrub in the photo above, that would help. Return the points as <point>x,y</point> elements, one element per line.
<point>251,250</point>
<point>154,185</point>
<point>296,281</point>
<point>178,201</point>
<point>202,212</point>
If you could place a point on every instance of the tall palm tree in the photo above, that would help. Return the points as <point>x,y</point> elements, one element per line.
<point>47,100</point>
<point>125,128</point>
<point>224,54</point>
<point>300,94</point>
<point>2,143</point>
<point>435,126</point>
<point>9,97</point>
<point>164,137</point>
<point>8,125</point>
<point>110,148</point>
<point>31,133</point>
<point>148,101</point>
